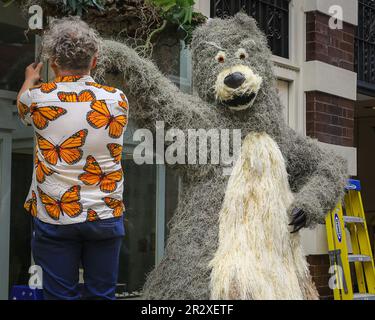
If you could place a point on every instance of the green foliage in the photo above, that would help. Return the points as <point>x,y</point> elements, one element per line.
<point>78,6</point>
<point>179,12</point>
<point>8,3</point>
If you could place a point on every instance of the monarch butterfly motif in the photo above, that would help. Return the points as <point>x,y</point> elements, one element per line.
<point>31,204</point>
<point>124,102</point>
<point>42,115</point>
<point>68,204</point>
<point>83,96</point>
<point>46,87</point>
<point>100,86</point>
<point>117,206</point>
<point>67,78</point>
<point>94,175</point>
<point>41,170</point>
<point>115,150</point>
<point>69,150</point>
<point>100,117</point>
<point>23,109</point>
<point>92,215</point>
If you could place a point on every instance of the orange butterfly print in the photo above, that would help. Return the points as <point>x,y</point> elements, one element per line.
<point>124,102</point>
<point>117,206</point>
<point>68,204</point>
<point>94,175</point>
<point>115,150</point>
<point>41,170</point>
<point>67,78</point>
<point>92,215</point>
<point>42,115</point>
<point>83,96</point>
<point>23,109</point>
<point>46,87</point>
<point>100,117</point>
<point>31,204</point>
<point>69,150</point>
<point>100,86</point>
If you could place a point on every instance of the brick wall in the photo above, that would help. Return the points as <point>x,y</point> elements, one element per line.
<point>319,267</point>
<point>329,119</point>
<point>332,46</point>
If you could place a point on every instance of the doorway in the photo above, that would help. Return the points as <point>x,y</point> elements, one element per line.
<point>364,141</point>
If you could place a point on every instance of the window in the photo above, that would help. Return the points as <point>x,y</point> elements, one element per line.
<point>272,16</point>
<point>137,256</point>
<point>16,48</point>
<point>365,47</point>
<point>16,52</point>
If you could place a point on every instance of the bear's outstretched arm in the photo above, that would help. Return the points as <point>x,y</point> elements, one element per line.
<point>317,177</point>
<point>155,97</point>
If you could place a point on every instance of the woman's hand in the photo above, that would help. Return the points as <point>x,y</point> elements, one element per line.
<point>32,77</point>
<point>32,73</point>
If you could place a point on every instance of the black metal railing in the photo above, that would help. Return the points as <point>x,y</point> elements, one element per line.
<point>364,60</point>
<point>272,17</point>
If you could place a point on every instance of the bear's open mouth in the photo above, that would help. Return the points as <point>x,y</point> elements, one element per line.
<point>240,101</point>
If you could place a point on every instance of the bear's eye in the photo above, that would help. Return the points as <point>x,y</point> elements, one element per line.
<point>241,54</point>
<point>220,57</point>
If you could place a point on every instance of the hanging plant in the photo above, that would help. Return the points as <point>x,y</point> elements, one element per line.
<point>174,12</point>
<point>79,6</point>
<point>179,12</point>
<point>139,21</point>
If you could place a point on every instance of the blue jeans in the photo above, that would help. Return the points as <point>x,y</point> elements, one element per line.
<point>59,250</point>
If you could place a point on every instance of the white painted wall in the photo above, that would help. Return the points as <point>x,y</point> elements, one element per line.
<point>283,88</point>
<point>203,6</point>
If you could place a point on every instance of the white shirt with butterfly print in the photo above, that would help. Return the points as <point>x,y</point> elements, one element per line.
<point>79,127</point>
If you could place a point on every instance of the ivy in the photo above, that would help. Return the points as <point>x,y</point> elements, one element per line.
<point>178,12</point>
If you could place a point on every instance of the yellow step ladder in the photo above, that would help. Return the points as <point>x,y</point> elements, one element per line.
<point>350,214</point>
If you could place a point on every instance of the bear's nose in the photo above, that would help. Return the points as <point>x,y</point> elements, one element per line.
<point>234,80</point>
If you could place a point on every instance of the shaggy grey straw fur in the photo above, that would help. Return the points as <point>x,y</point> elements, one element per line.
<point>316,177</point>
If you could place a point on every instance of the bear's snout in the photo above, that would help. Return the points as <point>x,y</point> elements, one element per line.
<point>234,80</point>
<point>237,87</point>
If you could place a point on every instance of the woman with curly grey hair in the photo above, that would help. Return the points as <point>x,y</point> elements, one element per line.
<point>71,46</point>
<point>75,197</point>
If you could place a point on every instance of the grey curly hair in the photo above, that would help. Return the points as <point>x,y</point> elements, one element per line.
<point>71,43</point>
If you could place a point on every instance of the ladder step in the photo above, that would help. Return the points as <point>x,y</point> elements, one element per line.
<point>364,296</point>
<point>358,257</point>
<point>349,219</point>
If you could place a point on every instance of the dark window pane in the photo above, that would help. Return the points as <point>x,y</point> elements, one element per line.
<point>137,256</point>
<point>272,16</point>
<point>365,46</point>
<point>16,49</point>
<point>20,220</point>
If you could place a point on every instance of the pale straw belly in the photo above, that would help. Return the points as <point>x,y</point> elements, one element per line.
<point>257,256</point>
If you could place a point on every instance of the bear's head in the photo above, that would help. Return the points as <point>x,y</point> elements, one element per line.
<point>231,62</point>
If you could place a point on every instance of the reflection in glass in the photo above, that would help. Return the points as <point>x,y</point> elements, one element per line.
<point>16,48</point>
<point>137,256</point>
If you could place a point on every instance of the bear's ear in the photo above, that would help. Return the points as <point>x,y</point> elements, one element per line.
<point>246,20</point>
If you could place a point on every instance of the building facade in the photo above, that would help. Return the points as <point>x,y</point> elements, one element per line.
<point>326,79</point>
